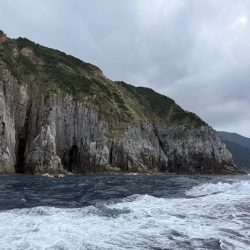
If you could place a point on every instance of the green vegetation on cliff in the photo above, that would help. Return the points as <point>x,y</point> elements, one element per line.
<point>118,103</point>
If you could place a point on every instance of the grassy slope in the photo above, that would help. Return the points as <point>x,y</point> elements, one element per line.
<point>117,102</point>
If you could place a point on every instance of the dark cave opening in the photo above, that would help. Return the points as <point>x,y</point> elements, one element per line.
<point>111,154</point>
<point>20,163</point>
<point>2,130</point>
<point>73,160</point>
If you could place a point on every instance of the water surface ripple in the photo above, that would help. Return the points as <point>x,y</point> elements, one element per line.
<point>125,211</point>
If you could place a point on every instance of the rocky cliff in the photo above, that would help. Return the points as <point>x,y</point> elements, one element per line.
<point>59,114</point>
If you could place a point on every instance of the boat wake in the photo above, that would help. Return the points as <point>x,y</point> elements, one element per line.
<point>210,216</point>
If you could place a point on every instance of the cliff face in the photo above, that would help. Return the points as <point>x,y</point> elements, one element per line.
<point>60,114</point>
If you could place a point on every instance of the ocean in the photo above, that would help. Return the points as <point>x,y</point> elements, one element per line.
<point>125,211</point>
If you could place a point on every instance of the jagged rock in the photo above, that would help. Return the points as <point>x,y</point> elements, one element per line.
<point>46,127</point>
<point>7,124</point>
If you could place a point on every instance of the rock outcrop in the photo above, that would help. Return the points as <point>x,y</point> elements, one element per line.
<point>59,114</point>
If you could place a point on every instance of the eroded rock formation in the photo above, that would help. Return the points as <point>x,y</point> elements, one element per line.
<point>45,127</point>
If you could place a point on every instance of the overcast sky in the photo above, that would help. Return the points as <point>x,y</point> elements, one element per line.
<point>196,52</point>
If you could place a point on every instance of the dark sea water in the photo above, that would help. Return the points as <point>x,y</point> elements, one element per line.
<point>125,211</point>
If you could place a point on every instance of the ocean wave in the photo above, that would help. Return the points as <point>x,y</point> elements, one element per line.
<point>213,218</point>
<point>220,187</point>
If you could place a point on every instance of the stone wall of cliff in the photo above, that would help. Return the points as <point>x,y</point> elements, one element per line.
<point>101,126</point>
<point>50,133</point>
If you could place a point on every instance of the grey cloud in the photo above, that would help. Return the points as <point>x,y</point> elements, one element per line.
<point>196,52</point>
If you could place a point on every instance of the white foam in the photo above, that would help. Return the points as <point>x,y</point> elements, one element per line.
<point>214,188</point>
<point>215,214</point>
<point>47,175</point>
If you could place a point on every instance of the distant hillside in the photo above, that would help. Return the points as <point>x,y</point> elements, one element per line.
<point>236,138</point>
<point>239,146</point>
